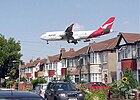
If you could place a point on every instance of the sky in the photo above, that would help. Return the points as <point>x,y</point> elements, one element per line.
<point>27,20</point>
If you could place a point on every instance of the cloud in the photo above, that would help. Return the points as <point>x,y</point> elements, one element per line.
<point>78,27</point>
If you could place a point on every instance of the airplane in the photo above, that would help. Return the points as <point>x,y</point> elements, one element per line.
<point>73,37</point>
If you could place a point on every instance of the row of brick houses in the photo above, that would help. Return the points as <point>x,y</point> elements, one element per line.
<point>103,61</point>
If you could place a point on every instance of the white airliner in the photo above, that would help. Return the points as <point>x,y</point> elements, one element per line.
<point>73,37</point>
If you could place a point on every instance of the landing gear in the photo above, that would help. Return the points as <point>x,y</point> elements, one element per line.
<point>47,42</point>
<point>74,41</point>
<point>68,40</point>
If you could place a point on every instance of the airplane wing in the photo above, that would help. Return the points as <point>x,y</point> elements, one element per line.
<point>69,35</point>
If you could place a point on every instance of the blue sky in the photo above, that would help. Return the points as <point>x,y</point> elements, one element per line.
<point>27,20</point>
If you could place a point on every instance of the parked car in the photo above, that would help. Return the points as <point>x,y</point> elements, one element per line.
<point>97,85</point>
<point>62,91</point>
<point>40,89</point>
<point>19,95</point>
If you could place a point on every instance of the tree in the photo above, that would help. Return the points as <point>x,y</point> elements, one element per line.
<point>9,53</point>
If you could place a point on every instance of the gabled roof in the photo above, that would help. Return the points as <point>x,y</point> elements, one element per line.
<point>34,63</point>
<point>97,46</point>
<point>29,65</point>
<point>110,44</point>
<point>54,58</point>
<point>130,37</point>
<point>42,61</point>
<point>81,51</point>
<point>105,45</point>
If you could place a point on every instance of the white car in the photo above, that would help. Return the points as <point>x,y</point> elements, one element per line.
<point>40,89</point>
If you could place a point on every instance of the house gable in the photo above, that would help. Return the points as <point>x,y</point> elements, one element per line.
<point>122,42</point>
<point>90,49</point>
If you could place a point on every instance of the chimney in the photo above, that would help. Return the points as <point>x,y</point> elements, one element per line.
<point>71,50</point>
<point>31,61</point>
<point>61,53</point>
<point>62,50</point>
<point>38,59</point>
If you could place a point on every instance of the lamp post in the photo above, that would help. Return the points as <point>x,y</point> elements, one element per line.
<point>79,67</point>
<point>88,65</point>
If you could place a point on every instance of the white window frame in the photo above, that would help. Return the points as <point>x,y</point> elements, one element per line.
<point>92,58</point>
<point>104,56</point>
<point>95,58</point>
<point>127,52</point>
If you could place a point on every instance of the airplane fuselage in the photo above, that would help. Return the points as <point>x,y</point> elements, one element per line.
<point>60,35</point>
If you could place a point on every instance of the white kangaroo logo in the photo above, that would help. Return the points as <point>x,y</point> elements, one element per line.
<point>105,26</point>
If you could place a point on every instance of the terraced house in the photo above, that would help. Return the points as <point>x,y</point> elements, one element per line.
<point>103,61</point>
<point>128,50</point>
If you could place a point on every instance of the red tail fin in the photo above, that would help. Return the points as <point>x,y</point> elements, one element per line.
<point>104,29</point>
<point>108,24</point>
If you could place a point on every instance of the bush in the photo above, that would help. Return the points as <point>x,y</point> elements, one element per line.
<point>9,83</point>
<point>96,95</point>
<point>38,81</point>
<point>23,79</point>
<point>122,88</point>
<point>90,94</point>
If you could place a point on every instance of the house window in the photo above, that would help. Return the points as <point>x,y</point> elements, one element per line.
<point>99,77</point>
<point>41,67</point>
<point>133,51</point>
<point>31,70</point>
<point>54,65</point>
<point>63,63</point>
<point>70,63</point>
<point>74,62</point>
<point>50,66</point>
<point>126,52</point>
<point>138,49</point>
<point>86,60</point>
<point>95,58</point>
<point>92,58</point>
<point>25,70</point>
<point>119,56</point>
<point>96,77</point>
<point>104,57</point>
<point>86,77</point>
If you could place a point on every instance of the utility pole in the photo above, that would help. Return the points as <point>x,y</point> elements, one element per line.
<point>88,65</point>
<point>79,67</point>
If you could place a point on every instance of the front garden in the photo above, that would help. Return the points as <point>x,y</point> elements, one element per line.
<point>125,89</point>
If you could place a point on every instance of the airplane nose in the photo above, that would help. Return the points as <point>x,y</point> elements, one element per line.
<point>42,37</point>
